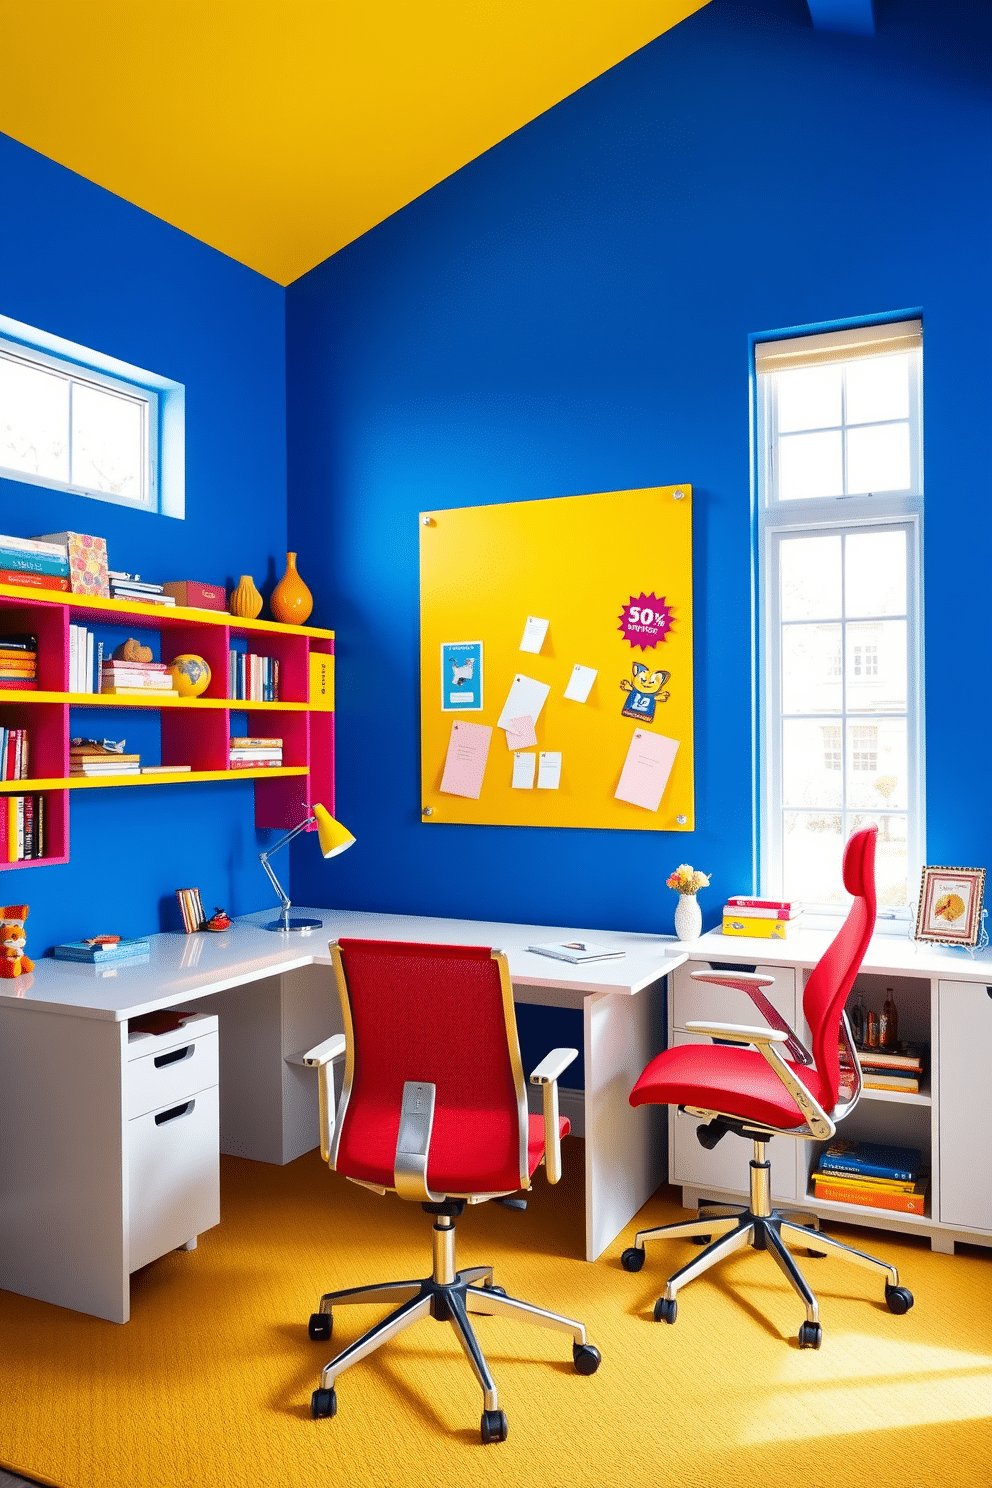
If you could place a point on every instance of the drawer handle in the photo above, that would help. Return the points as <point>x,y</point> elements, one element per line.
<point>183,1110</point>
<point>173,1056</point>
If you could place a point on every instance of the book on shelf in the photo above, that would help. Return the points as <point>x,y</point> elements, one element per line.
<point>246,741</point>
<point>22,828</point>
<point>784,909</point>
<point>759,929</point>
<point>96,771</point>
<point>908,1057</point>
<point>112,677</point>
<point>196,596</point>
<point>136,582</point>
<point>52,582</point>
<point>890,1185</point>
<point>96,955</point>
<point>14,754</point>
<point>117,691</point>
<point>255,764</point>
<point>191,909</point>
<point>261,752</point>
<point>252,678</point>
<point>19,684</point>
<point>119,664</point>
<point>321,681</point>
<point>16,560</point>
<point>872,1159</point>
<point>577,951</point>
<point>32,545</point>
<point>166,769</point>
<point>87,561</point>
<point>871,1198</point>
<point>906,1084</point>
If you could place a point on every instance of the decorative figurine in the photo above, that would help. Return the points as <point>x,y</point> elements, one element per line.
<point>12,941</point>
<point>132,650</point>
<point>219,920</point>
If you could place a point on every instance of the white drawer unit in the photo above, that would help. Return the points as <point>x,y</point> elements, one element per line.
<point>173,1176</point>
<point>964,1013</point>
<point>700,1000</point>
<point>173,1144</point>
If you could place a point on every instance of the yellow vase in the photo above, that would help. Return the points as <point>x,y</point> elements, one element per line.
<point>291,600</point>
<point>246,602</point>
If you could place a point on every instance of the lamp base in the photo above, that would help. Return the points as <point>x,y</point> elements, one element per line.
<point>296,922</point>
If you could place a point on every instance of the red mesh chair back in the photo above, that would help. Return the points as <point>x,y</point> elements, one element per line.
<point>437,1014</point>
<point>833,976</point>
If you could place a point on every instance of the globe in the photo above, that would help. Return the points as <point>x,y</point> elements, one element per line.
<point>190,675</point>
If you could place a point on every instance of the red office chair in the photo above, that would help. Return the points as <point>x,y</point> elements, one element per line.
<point>434,1105</point>
<point>757,1092</point>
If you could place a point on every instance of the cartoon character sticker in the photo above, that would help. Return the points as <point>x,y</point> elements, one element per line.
<point>461,676</point>
<point>645,692</point>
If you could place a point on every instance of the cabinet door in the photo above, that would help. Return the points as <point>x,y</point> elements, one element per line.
<point>726,1166</point>
<point>706,1002</point>
<point>965,1058</point>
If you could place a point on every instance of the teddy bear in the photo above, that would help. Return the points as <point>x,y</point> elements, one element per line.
<point>12,940</point>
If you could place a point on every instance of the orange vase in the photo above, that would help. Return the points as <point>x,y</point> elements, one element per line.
<point>291,600</point>
<point>245,602</point>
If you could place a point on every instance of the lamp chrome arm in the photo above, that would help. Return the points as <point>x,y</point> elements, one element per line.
<point>284,923</point>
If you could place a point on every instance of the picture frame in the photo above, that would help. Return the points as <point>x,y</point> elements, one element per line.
<point>950,906</point>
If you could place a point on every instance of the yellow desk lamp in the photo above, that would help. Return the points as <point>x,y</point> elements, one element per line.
<point>333,839</point>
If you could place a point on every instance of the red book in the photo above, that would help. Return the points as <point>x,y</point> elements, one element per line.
<point>34,580</point>
<point>118,664</point>
<point>784,908</point>
<point>24,684</point>
<point>4,838</point>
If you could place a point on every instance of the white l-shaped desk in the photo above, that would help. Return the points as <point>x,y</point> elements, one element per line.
<point>66,1224</point>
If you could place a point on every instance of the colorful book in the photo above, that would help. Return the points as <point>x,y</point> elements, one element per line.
<point>784,907</point>
<point>891,1185</point>
<point>247,742</point>
<point>18,561</point>
<point>871,1198</point>
<point>81,950</point>
<point>120,665</point>
<point>87,561</point>
<point>35,580</point>
<point>28,684</point>
<point>759,912</point>
<point>872,1159</point>
<point>758,929</point>
<point>32,545</point>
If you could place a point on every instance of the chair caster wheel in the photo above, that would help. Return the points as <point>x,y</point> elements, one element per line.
<point>632,1259</point>
<point>494,1427</point>
<point>810,1335</point>
<point>899,1298</point>
<point>666,1310</point>
<point>323,1403</point>
<point>586,1358</point>
<point>320,1325</point>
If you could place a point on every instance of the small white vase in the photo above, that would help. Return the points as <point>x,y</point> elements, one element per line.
<point>688,918</point>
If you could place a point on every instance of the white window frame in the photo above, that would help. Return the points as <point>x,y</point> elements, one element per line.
<point>163,415</point>
<point>842,515</point>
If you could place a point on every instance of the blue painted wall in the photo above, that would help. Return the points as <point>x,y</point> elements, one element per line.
<point>571,313</point>
<point>81,263</point>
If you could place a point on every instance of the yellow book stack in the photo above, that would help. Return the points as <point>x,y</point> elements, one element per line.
<point>759,928</point>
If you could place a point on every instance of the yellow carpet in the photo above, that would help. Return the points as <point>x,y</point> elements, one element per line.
<point>209,1384</point>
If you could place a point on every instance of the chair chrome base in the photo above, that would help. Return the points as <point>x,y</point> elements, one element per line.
<point>731,1227</point>
<point>448,1296</point>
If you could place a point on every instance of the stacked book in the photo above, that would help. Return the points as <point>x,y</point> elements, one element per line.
<point>22,828</point>
<point>102,950</point>
<point>94,761</point>
<point>900,1068</point>
<point>872,1175</point>
<point>85,660</point>
<point>247,753</point>
<point>14,754</point>
<point>761,919</point>
<point>33,564</point>
<point>252,679</point>
<point>131,587</point>
<point>130,678</point>
<point>19,661</point>
<point>191,909</point>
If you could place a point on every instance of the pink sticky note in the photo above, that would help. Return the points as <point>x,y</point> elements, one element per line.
<point>646,769</point>
<point>465,764</point>
<point>520,733</point>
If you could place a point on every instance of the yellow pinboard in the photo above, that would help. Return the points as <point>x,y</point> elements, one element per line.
<point>556,662</point>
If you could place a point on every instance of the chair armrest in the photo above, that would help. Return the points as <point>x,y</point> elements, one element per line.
<point>322,1057</point>
<point>738,1033</point>
<point>553,1066</point>
<point>413,1142</point>
<point>546,1075</point>
<point>766,1041</point>
<point>751,982</point>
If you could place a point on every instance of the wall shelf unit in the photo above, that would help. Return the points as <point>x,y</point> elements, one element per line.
<point>304,720</point>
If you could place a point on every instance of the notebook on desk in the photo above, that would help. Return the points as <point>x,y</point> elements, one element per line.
<point>577,951</point>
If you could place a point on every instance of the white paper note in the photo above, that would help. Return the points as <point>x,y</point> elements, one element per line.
<point>526,697</point>
<point>580,683</point>
<point>646,769</point>
<point>520,734</point>
<point>534,632</point>
<point>524,766</point>
<point>465,763</point>
<point>549,770</point>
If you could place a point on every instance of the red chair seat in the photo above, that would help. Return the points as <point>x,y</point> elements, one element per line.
<point>738,1082</point>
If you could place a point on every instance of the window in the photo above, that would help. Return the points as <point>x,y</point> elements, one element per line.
<point>840,664</point>
<point>78,421</point>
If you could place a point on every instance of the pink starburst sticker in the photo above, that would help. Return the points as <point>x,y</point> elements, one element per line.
<point>645,620</point>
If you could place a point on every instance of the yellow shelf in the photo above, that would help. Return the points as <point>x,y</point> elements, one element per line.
<point>109,700</point>
<point>151,615</point>
<point>78,782</point>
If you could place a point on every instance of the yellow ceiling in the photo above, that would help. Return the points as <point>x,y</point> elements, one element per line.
<point>279,130</point>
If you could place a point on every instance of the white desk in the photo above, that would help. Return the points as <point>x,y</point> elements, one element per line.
<point>64,1198</point>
